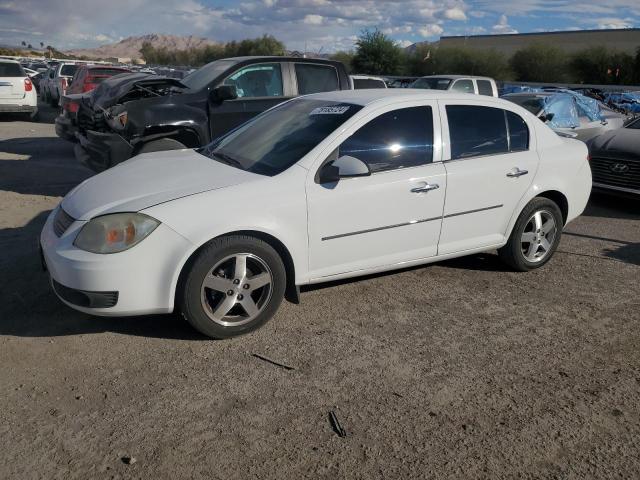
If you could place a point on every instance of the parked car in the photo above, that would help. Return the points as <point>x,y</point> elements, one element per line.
<point>328,186</point>
<point>615,160</point>
<point>86,78</point>
<point>141,113</point>
<point>361,82</point>
<point>458,83</point>
<point>58,78</point>
<point>569,113</point>
<point>628,102</point>
<point>17,93</point>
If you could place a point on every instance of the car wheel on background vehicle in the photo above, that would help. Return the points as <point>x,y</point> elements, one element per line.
<point>161,145</point>
<point>535,236</point>
<point>234,285</point>
<point>52,101</point>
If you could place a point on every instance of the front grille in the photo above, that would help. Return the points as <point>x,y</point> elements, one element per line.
<point>83,298</point>
<point>616,172</point>
<point>61,222</point>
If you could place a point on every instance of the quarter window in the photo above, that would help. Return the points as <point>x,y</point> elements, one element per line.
<point>518,132</point>
<point>397,139</point>
<point>313,78</point>
<point>262,80</point>
<point>485,88</point>
<point>476,131</point>
<point>465,86</point>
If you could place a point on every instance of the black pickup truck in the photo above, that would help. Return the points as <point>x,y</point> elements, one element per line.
<point>136,113</point>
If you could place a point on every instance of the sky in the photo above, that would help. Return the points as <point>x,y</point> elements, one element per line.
<point>318,26</point>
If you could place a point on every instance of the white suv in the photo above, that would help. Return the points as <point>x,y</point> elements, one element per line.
<point>458,83</point>
<point>321,187</point>
<point>17,92</point>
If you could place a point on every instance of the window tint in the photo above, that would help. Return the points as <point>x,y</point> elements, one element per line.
<point>397,139</point>
<point>476,131</point>
<point>465,86</point>
<point>316,78</point>
<point>484,87</point>
<point>364,83</point>
<point>263,80</point>
<point>11,70</point>
<point>518,133</point>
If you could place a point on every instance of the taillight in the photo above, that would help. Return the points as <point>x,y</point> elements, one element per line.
<point>87,87</point>
<point>28,85</point>
<point>63,83</point>
<point>73,107</point>
<point>589,157</point>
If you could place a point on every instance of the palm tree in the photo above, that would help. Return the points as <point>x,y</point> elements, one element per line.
<point>24,44</point>
<point>41,44</point>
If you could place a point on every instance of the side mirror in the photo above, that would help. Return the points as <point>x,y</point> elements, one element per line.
<point>547,117</point>
<point>222,93</point>
<point>344,167</point>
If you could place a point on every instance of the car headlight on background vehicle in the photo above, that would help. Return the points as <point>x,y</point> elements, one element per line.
<point>116,121</point>
<point>115,232</point>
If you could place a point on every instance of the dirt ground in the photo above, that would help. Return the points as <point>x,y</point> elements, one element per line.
<point>462,369</point>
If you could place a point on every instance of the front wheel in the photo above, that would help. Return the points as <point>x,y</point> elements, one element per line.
<point>233,286</point>
<point>535,236</point>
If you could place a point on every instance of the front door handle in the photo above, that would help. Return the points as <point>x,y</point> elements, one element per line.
<point>516,172</point>
<point>428,187</point>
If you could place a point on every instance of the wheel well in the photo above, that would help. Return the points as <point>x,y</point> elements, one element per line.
<point>291,292</point>
<point>185,136</point>
<point>560,200</point>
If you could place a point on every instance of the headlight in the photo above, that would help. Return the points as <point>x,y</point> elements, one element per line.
<point>115,233</point>
<point>117,121</point>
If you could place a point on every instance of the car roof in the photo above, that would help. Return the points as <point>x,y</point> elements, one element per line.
<point>8,60</point>
<point>390,95</point>
<point>533,94</point>
<point>455,77</point>
<point>367,77</point>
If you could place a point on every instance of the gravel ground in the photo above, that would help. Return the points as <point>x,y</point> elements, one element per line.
<point>461,369</point>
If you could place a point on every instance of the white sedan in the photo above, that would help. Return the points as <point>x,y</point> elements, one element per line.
<point>321,187</point>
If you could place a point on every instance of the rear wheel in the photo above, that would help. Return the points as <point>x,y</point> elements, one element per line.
<point>535,236</point>
<point>161,145</point>
<point>234,286</point>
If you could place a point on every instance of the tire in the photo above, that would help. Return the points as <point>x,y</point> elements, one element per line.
<point>161,145</point>
<point>52,102</point>
<point>221,306</point>
<point>533,241</point>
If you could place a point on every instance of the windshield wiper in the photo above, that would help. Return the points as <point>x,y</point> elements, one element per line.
<point>227,159</point>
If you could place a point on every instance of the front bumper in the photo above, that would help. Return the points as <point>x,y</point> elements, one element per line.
<point>143,277</point>
<point>66,129</point>
<point>100,150</point>
<point>15,108</point>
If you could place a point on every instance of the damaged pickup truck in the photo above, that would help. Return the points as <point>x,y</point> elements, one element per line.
<point>138,113</point>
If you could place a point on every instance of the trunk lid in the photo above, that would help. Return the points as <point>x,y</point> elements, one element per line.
<point>12,87</point>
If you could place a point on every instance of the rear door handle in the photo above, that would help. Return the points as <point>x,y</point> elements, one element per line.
<point>516,172</point>
<point>428,187</point>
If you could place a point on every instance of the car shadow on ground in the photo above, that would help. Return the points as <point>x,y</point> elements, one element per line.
<point>40,166</point>
<point>29,308</point>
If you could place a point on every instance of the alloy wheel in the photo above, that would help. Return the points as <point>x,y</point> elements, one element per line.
<point>237,289</point>
<point>538,236</point>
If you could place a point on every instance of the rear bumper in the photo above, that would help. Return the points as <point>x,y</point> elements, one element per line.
<point>65,128</point>
<point>14,108</point>
<point>100,151</point>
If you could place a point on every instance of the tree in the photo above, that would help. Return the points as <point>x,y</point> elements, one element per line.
<point>344,57</point>
<point>24,44</point>
<point>428,59</point>
<point>377,54</point>
<point>29,46</point>
<point>540,62</point>
<point>41,44</point>
<point>602,66</point>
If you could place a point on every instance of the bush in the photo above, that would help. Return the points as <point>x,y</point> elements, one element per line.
<point>377,54</point>
<point>540,63</point>
<point>602,66</point>
<point>430,60</point>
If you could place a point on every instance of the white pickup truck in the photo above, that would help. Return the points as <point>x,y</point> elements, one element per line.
<point>458,83</point>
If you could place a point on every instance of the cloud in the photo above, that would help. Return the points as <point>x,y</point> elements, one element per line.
<point>313,19</point>
<point>503,26</point>
<point>430,30</point>
<point>455,13</point>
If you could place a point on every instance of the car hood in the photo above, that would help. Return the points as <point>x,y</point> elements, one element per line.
<point>622,140</point>
<point>110,91</point>
<point>150,179</point>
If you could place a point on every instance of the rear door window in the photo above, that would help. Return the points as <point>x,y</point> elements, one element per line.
<point>485,88</point>
<point>397,139</point>
<point>464,86</point>
<point>314,78</point>
<point>261,80</point>
<point>518,132</point>
<point>10,69</point>
<point>476,131</point>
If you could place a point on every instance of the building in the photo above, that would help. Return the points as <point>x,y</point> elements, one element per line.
<point>626,40</point>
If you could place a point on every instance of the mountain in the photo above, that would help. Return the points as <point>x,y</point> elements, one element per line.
<point>130,46</point>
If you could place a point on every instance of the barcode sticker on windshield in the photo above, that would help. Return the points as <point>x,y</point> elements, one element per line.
<point>329,110</point>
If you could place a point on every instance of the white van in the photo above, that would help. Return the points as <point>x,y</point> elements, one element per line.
<point>458,83</point>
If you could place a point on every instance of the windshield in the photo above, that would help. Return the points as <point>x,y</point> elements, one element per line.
<point>68,70</point>
<point>432,83</point>
<point>205,75</point>
<point>534,104</point>
<point>275,140</point>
